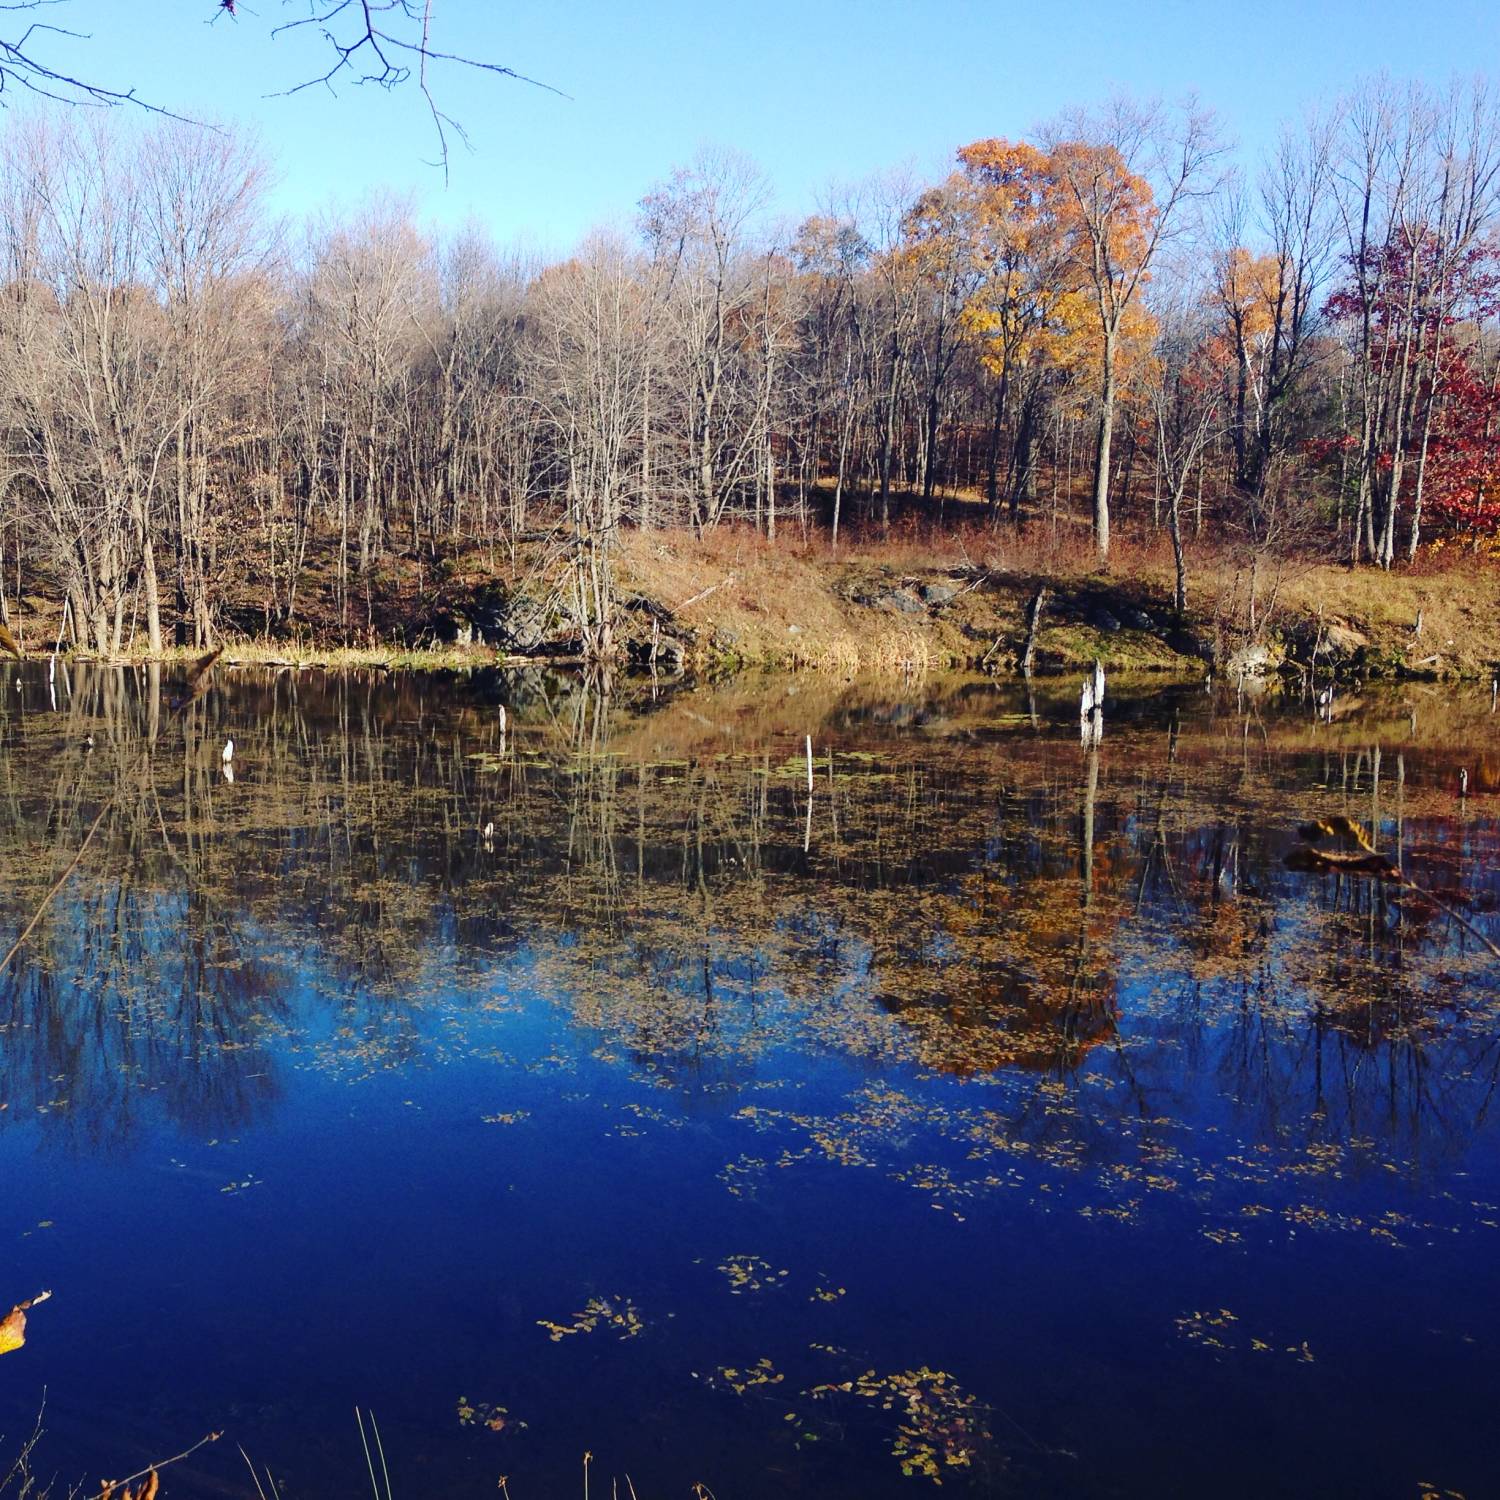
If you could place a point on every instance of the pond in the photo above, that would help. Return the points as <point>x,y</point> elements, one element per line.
<point>574,1081</point>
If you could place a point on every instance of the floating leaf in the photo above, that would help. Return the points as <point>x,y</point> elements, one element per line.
<point>617,1313</point>
<point>13,1325</point>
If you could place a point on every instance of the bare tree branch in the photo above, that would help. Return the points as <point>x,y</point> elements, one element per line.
<point>22,66</point>
<point>389,43</point>
<point>369,42</point>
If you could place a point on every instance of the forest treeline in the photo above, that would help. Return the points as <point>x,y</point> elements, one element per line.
<point>1108,324</point>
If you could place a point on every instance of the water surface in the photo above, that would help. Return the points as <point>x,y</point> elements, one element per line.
<point>999,1112</point>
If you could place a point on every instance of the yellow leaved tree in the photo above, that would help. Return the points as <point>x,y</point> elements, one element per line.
<point>1115,224</point>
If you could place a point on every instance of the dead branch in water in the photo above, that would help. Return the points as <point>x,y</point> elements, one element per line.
<point>1364,859</point>
<point>61,881</point>
<point>198,680</point>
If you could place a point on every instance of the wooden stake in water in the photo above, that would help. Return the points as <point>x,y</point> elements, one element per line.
<point>1091,707</point>
<point>807,830</point>
<point>1033,625</point>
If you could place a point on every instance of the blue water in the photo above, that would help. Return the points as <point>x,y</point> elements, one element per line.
<point>1168,1172</point>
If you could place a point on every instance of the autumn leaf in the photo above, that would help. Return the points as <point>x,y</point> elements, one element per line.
<point>148,1489</point>
<point>13,1325</point>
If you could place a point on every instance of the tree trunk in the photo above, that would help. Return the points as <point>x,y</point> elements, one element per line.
<point>1103,442</point>
<point>1179,559</point>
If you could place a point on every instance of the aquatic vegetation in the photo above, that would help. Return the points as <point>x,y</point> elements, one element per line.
<point>939,1426</point>
<point>487,1414</point>
<point>754,1377</point>
<point>616,1314</point>
<point>1218,1330</point>
<point>750,1273</point>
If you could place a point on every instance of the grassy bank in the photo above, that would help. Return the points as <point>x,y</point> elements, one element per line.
<point>961,600</point>
<point>922,600</point>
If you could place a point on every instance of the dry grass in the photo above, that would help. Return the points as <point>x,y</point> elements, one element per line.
<point>774,605</point>
<point>258,651</point>
<point>794,604</point>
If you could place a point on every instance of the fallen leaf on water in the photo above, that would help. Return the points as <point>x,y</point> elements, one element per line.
<point>13,1326</point>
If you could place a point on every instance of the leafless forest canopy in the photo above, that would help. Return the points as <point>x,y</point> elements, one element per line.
<point>1110,323</point>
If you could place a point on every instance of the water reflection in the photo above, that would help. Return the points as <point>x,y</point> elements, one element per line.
<point>1014,977</point>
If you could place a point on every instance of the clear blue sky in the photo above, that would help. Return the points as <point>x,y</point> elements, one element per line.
<point>813,90</point>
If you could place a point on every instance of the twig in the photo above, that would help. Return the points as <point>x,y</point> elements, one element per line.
<point>365,52</point>
<point>24,68</point>
<point>212,1437</point>
<point>1366,860</point>
<point>704,593</point>
<point>380,1449</point>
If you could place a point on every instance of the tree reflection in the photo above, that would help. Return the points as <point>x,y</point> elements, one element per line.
<point>964,892</point>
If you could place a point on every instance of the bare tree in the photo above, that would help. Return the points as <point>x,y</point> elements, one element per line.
<point>367,284</point>
<point>208,245</point>
<point>1185,395</point>
<point>698,223</point>
<point>88,386</point>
